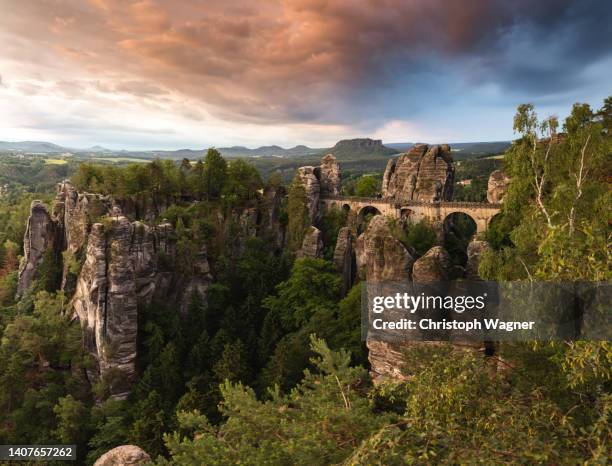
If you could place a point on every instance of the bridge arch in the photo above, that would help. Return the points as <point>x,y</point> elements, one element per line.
<point>364,216</point>
<point>459,229</point>
<point>368,210</point>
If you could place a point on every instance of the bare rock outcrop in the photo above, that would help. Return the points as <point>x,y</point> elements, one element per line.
<point>424,173</point>
<point>271,225</point>
<point>344,258</point>
<point>434,266</point>
<point>497,186</point>
<point>386,360</point>
<point>380,255</point>
<point>200,280</point>
<point>312,245</point>
<point>105,302</point>
<point>40,241</point>
<point>474,251</point>
<point>310,181</point>
<point>330,177</point>
<point>124,455</point>
<point>116,260</point>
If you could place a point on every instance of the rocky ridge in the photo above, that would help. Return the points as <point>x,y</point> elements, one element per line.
<point>424,173</point>
<point>112,263</point>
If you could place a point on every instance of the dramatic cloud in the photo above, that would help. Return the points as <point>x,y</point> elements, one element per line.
<point>359,65</point>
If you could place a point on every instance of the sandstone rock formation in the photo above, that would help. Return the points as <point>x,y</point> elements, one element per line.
<point>271,226</point>
<point>124,455</point>
<point>126,263</point>
<point>380,255</point>
<point>330,177</point>
<point>310,181</point>
<point>386,360</point>
<point>424,173</point>
<point>474,251</point>
<point>40,240</point>
<point>434,266</point>
<point>344,258</point>
<point>312,245</point>
<point>361,146</point>
<point>497,186</point>
<point>122,269</point>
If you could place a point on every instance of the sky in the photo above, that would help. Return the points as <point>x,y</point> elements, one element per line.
<point>168,74</point>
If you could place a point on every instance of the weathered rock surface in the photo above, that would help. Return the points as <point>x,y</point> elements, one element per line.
<point>330,177</point>
<point>474,250</point>
<point>344,258</point>
<point>386,360</point>
<point>120,271</point>
<point>308,176</point>
<point>424,173</point>
<point>497,186</point>
<point>434,266</point>
<point>312,245</point>
<point>40,239</point>
<point>271,226</point>
<point>199,282</point>
<point>124,455</point>
<point>380,255</point>
<point>119,260</point>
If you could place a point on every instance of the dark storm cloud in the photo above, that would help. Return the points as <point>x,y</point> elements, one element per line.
<point>324,61</point>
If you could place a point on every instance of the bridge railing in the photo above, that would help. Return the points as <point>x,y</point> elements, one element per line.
<point>404,204</point>
<point>379,200</point>
<point>459,204</point>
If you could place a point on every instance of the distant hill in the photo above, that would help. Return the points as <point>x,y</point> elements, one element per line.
<point>494,147</point>
<point>400,146</point>
<point>268,151</point>
<point>474,148</point>
<point>362,147</point>
<point>31,146</point>
<point>344,150</point>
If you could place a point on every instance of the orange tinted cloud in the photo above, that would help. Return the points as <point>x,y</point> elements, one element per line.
<point>270,60</point>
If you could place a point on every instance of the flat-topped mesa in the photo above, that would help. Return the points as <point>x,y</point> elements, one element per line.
<point>424,173</point>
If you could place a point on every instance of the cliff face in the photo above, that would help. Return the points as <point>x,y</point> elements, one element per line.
<point>309,180</point>
<point>361,147</point>
<point>323,180</point>
<point>329,176</point>
<point>40,242</point>
<point>497,186</point>
<point>424,173</point>
<point>121,271</point>
<point>116,260</point>
<point>383,259</point>
<point>434,266</point>
<point>344,258</point>
<point>271,225</point>
<point>380,256</point>
<point>312,245</point>
<point>123,264</point>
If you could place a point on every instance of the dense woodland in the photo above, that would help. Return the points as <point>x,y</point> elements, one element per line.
<point>270,368</point>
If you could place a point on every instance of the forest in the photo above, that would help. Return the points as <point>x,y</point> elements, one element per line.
<point>270,367</point>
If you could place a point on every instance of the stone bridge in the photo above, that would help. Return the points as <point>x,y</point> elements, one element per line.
<point>480,212</point>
